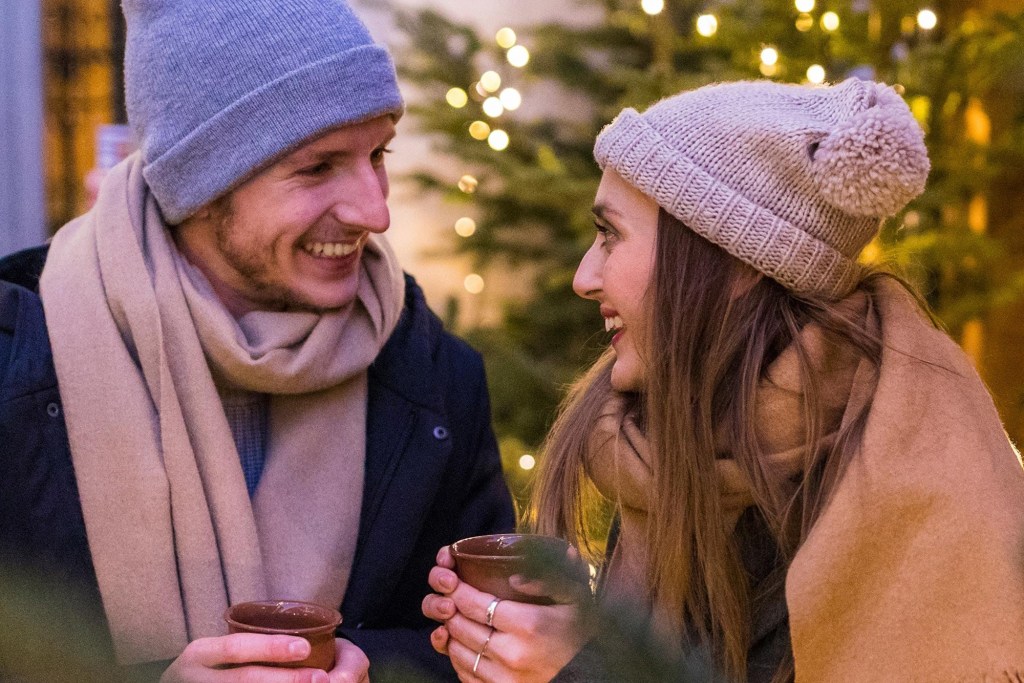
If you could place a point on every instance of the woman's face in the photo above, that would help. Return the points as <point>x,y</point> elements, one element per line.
<point>616,271</point>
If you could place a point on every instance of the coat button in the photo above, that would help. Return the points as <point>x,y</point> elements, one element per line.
<point>53,410</point>
<point>440,433</point>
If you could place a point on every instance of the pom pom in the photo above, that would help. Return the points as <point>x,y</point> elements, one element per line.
<point>874,163</point>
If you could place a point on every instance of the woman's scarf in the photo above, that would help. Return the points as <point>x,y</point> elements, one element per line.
<point>138,336</point>
<point>915,569</point>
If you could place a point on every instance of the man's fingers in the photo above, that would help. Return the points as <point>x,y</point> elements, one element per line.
<point>246,648</point>
<point>350,663</point>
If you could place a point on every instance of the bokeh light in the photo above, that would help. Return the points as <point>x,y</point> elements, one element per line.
<point>510,99</point>
<point>804,5</point>
<point>518,56</point>
<point>769,56</point>
<point>465,227</point>
<point>493,107</point>
<point>652,7</point>
<point>804,23</point>
<point>479,130</point>
<point>468,183</point>
<point>816,74</point>
<point>707,25</point>
<point>490,81</point>
<point>830,21</point>
<point>457,98</point>
<point>498,140</point>
<point>473,283</point>
<point>527,462</point>
<point>927,19</point>
<point>505,38</point>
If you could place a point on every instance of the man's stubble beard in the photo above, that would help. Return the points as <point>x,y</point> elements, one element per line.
<point>267,295</point>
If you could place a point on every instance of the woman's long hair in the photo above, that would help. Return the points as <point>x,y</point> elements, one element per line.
<point>717,325</point>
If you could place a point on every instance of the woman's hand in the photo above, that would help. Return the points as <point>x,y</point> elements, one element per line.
<point>231,659</point>
<point>529,643</point>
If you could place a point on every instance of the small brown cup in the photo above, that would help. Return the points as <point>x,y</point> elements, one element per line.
<point>487,562</point>
<point>315,623</point>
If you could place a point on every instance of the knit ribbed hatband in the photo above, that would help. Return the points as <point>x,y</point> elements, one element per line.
<point>217,90</point>
<point>792,180</point>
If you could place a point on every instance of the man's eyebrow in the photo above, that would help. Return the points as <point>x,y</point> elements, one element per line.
<point>300,156</point>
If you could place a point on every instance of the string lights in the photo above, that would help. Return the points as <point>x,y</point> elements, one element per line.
<point>707,25</point>
<point>493,107</point>
<point>457,98</point>
<point>473,283</point>
<point>505,38</point>
<point>652,7</point>
<point>518,56</point>
<point>927,19</point>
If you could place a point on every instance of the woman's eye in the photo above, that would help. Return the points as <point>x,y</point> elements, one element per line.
<point>606,234</point>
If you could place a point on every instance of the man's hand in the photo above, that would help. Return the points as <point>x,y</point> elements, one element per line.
<point>233,659</point>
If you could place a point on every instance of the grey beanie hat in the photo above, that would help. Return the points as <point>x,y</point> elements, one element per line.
<point>793,180</point>
<point>216,89</point>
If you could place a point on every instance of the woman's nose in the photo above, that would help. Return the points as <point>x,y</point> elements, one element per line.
<point>588,280</point>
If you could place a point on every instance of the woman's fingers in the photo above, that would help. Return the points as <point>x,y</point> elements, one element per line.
<point>438,607</point>
<point>439,638</point>
<point>464,659</point>
<point>471,634</point>
<point>444,558</point>
<point>443,580</point>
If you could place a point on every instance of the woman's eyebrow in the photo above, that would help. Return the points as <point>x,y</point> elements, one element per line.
<point>603,211</point>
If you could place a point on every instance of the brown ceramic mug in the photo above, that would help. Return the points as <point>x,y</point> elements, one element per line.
<point>487,562</point>
<point>313,622</point>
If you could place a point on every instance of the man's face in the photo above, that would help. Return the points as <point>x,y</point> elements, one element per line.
<point>292,236</point>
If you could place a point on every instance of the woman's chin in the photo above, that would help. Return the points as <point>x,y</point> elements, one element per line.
<point>625,379</point>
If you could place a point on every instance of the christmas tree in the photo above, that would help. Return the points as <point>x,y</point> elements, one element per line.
<point>526,177</point>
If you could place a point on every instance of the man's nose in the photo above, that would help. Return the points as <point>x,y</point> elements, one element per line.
<point>361,201</point>
<point>588,279</point>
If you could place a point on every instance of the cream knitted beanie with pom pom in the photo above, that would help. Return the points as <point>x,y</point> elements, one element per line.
<point>793,180</point>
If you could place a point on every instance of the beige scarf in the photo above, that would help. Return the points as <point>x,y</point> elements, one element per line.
<point>916,569</point>
<point>173,534</point>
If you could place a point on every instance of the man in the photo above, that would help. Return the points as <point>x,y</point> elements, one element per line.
<point>220,387</point>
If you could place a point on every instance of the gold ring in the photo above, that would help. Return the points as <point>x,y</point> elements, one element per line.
<point>490,611</point>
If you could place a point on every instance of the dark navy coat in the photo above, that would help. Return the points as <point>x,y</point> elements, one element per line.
<point>433,474</point>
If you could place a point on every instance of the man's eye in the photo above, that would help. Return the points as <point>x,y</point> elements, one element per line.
<point>316,169</point>
<point>378,155</point>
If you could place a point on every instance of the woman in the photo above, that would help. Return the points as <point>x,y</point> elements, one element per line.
<point>810,479</point>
